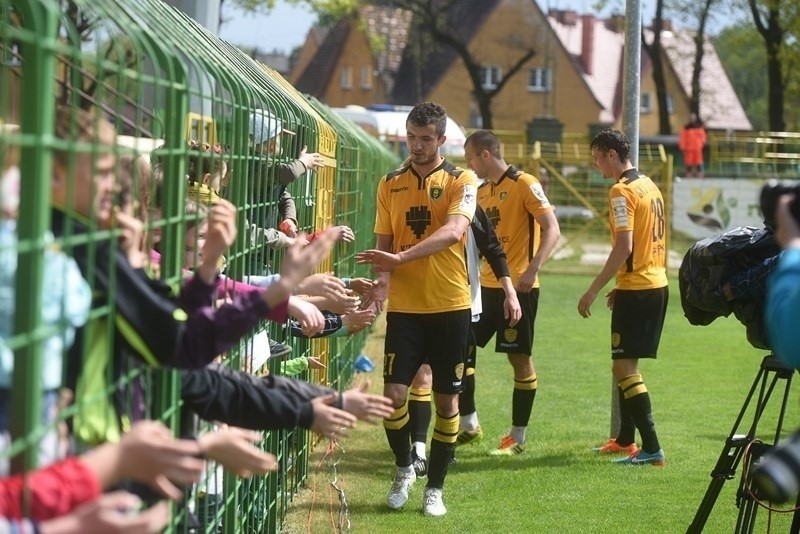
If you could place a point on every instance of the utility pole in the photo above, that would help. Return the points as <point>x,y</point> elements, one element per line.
<point>632,75</point>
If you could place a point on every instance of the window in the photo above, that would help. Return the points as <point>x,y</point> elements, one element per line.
<point>539,80</point>
<point>347,78</point>
<point>645,104</point>
<point>366,77</point>
<point>490,77</point>
<point>670,104</point>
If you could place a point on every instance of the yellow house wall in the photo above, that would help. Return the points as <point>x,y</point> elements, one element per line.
<point>648,121</point>
<point>508,32</point>
<point>356,54</point>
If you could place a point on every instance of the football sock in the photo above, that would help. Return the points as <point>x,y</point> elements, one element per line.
<point>638,400</point>
<point>398,435</point>
<point>445,432</point>
<point>627,428</point>
<point>522,400</point>
<point>419,413</point>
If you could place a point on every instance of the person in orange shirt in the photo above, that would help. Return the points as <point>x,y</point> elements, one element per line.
<point>691,143</point>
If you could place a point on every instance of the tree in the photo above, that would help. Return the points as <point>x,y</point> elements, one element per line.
<point>655,51</point>
<point>433,17</point>
<point>778,22</point>
<point>745,62</point>
<point>703,16</point>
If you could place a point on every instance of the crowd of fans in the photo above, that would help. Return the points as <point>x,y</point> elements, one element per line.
<point>104,464</point>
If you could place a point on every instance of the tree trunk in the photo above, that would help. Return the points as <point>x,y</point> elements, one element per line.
<point>654,50</point>
<point>441,32</point>
<point>664,127</point>
<point>699,52</point>
<point>776,89</point>
<point>773,35</point>
<point>484,102</point>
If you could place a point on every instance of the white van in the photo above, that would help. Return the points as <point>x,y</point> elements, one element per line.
<point>361,116</point>
<point>392,131</point>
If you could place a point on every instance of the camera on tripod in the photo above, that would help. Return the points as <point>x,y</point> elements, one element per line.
<point>770,194</point>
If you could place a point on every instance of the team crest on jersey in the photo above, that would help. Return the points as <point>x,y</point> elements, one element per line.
<point>615,340</point>
<point>503,195</point>
<point>510,334</point>
<point>460,371</point>
<point>436,193</point>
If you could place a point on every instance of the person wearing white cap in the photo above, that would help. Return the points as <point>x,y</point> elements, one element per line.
<point>265,131</point>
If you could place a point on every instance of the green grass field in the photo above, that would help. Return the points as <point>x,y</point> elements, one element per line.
<point>698,385</point>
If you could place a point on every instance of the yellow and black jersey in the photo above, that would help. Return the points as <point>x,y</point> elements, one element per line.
<point>411,208</point>
<point>512,205</point>
<point>636,205</point>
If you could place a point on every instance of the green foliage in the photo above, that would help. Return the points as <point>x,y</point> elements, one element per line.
<point>698,384</point>
<point>741,51</point>
<point>255,5</point>
<point>328,8</point>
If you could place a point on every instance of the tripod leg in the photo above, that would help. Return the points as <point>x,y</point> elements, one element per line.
<point>725,468</point>
<point>795,528</point>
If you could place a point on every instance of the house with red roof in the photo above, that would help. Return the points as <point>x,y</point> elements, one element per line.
<point>574,77</point>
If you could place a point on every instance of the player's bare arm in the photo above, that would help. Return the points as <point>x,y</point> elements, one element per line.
<point>623,246</point>
<point>550,233</point>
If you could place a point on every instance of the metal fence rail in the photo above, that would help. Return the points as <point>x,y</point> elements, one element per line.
<point>161,80</point>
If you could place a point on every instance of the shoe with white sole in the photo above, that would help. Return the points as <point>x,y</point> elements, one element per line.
<point>432,503</point>
<point>398,493</point>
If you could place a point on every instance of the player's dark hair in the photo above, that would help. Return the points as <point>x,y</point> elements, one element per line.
<point>610,139</point>
<point>481,140</point>
<point>429,113</point>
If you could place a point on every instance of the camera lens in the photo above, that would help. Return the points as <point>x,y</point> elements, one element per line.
<point>770,194</point>
<point>777,477</point>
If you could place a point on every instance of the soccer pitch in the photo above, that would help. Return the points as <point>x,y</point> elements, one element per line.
<point>697,385</point>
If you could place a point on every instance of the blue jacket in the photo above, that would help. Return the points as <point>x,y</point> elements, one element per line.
<point>782,313</point>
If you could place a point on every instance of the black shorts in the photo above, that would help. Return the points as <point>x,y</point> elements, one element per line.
<point>438,339</point>
<point>472,350</point>
<point>516,340</point>
<point>636,322</point>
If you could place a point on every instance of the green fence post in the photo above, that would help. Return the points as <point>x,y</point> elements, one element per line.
<point>37,117</point>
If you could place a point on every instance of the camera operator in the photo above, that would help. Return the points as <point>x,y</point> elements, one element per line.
<point>782,312</point>
<point>778,474</point>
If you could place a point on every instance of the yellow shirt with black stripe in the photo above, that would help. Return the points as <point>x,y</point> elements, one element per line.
<point>512,204</point>
<point>410,209</point>
<point>636,205</point>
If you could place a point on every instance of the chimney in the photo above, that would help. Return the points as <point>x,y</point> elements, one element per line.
<point>587,42</point>
<point>616,23</point>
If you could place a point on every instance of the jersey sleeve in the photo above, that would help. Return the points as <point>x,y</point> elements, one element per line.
<point>621,205</point>
<point>464,195</point>
<point>383,219</point>
<point>534,198</point>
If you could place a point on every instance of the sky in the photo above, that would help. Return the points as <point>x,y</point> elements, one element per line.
<point>285,27</point>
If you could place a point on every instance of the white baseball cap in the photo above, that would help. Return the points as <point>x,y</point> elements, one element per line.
<point>264,126</point>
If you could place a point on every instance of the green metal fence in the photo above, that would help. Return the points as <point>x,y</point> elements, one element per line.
<point>161,80</point>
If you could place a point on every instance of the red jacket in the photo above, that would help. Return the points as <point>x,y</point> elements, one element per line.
<point>692,138</point>
<point>53,491</point>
